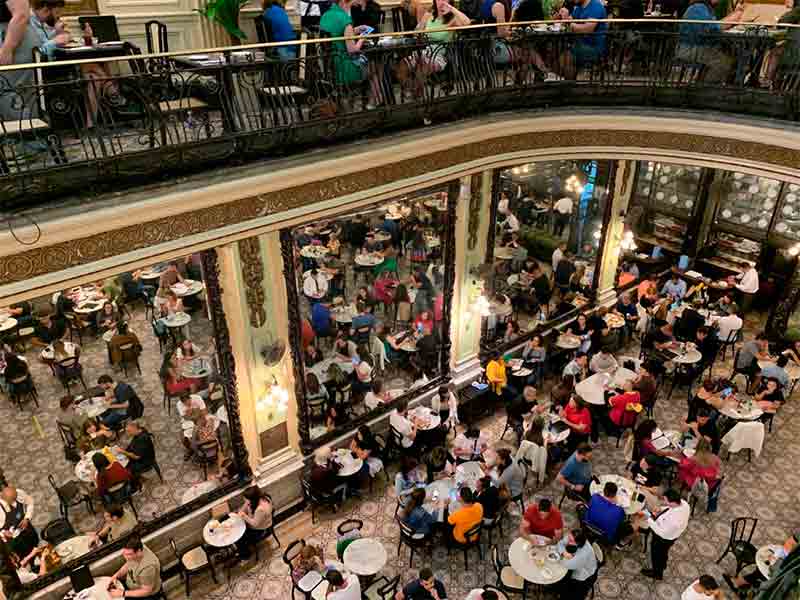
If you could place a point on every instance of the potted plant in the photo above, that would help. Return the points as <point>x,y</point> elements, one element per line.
<point>226,14</point>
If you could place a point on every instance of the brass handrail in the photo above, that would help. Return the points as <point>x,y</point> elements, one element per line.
<point>393,34</point>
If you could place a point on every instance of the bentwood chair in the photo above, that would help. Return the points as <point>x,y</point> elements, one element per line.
<point>507,579</point>
<point>740,543</point>
<point>70,494</point>
<point>414,541</point>
<point>473,540</point>
<point>191,561</point>
<point>382,588</point>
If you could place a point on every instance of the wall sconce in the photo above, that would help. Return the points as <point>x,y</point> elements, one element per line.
<point>276,399</point>
<point>627,242</point>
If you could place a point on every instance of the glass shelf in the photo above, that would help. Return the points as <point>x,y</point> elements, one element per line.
<point>787,221</point>
<point>749,201</point>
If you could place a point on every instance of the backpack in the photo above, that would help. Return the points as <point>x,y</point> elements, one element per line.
<point>135,407</point>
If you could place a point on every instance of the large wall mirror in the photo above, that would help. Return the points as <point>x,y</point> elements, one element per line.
<point>369,304</point>
<point>543,245</point>
<point>117,412</point>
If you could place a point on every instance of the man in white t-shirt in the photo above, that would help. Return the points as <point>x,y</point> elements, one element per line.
<point>748,287</point>
<point>343,588</point>
<point>400,422</point>
<point>558,254</point>
<point>702,589</point>
<point>510,221</point>
<point>562,211</point>
<point>728,324</point>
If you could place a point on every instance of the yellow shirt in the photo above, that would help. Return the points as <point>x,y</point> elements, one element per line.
<point>496,374</point>
<point>465,519</point>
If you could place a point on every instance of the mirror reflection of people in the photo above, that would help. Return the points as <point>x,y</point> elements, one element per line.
<point>141,571</point>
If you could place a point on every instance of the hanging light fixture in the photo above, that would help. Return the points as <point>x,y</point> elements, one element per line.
<point>481,306</point>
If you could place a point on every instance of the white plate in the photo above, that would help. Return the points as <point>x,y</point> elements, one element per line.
<point>781,227</point>
<point>788,210</point>
<point>794,187</point>
<point>772,192</point>
<point>769,205</point>
<point>745,218</point>
<point>689,203</point>
<point>659,195</point>
<point>791,197</point>
<point>673,199</point>
<point>663,179</point>
<point>753,189</point>
<point>667,169</point>
<point>726,214</point>
<point>646,191</point>
<point>762,223</point>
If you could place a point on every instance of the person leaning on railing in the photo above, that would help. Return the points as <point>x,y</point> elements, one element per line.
<point>17,48</point>
<point>698,44</point>
<point>498,11</point>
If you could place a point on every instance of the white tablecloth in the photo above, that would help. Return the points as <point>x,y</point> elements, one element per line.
<point>592,389</point>
<point>365,556</point>
<point>226,533</point>
<point>535,564</point>
<point>85,470</point>
<point>626,489</point>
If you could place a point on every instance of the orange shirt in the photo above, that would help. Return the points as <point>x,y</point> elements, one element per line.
<point>465,519</point>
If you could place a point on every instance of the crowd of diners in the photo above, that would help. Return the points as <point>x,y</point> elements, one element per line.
<point>671,473</point>
<point>28,25</point>
<point>371,290</point>
<point>101,418</point>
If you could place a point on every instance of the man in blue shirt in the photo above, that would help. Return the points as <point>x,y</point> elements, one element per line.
<point>45,21</point>
<point>589,48</point>
<point>576,474</point>
<point>321,319</point>
<point>675,288</point>
<point>606,515</point>
<point>778,372</point>
<point>698,43</point>
<point>579,559</point>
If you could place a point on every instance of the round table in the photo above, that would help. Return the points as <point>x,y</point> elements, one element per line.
<point>221,535</point>
<point>177,320</point>
<point>365,556</point>
<point>99,591</point>
<point>150,274</point>
<point>382,236</point>
<point>688,357</point>
<point>766,557</point>
<point>625,494</point>
<point>85,470</point>
<point>557,438</point>
<point>89,307</point>
<point>425,420</point>
<point>503,253</point>
<point>368,260</point>
<point>325,273</point>
<point>409,345</point>
<point>739,414</point>
<point>535,564</point>
<point>320,591</point>
<point>568,342</point>
<point>8,323</point>
<point>74,547</point>
<point>469,472</point>
<point>614,321</point>
<point>312,251</point>
<point>344,314</point>
<point>592,389</point>
<point>187,288</point>
<point>350,465</point>
<point>199,489</point>
<point>190,371</point>
<point>92,408</point>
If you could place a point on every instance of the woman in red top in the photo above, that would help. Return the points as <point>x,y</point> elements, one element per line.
<point>108,474</point>
<point>703,465</point>
<point>577,416</point>
<point>425,319</point>
<point>620,414</point>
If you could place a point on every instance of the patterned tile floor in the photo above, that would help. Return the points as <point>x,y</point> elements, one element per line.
<point>768,488</point>
<point>28,453</point>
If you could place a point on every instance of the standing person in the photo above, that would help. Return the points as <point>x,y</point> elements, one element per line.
<point>257,515</point>
<point>425,587</point>
<point>558,254</point>
<point>16,511</point>
<point>142,571</point>
<point>562,211</point>
<point>666,526</point>
<point>748,285</point>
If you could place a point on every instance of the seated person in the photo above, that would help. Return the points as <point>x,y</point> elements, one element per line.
<point>415,515</point>
<point>426,587</point>
<point>578,418</point>
<point>466,517</point>
<point>706,341</point>
<point>778,372</point>
<point>509,472</point>
<point>324,478</point>
<point>664,338</point>
<point>624,407</point>
<point>675,288</point>
<point>95,436</point>
<point>704,588</point>
<point>750,577</point>
<point>408,478</point>
<point>123,401</point>
<point>141,570</point>
<point>109,474</point>
<point>603,362</point>
<point>116,523</point>
<point>646,385</point>
<point>123,337</point>
<point>309,559</point>
<point>398,419</point>
<point>140,449</point>
<point>647,474</point>
<point>189,407</point>
<point>578,367</point>
<point>581,563</point>
<point>542,519</point>
<point>770,398</point>
<point>488,496</point>
<point>576,474</point>
<point>698,43</point>
<point>469,444</point>
<point>703,427</point>
<point>43,559</point>
<point>607,516</point>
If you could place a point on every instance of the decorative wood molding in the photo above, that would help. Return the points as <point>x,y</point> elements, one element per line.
<point>295,342</point>
<point>453,194</point>
<point>253,279</point>
<point>43,260</point>
<point>475,197</point>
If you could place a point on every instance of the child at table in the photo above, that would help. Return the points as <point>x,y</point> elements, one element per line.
<point>309,559</point>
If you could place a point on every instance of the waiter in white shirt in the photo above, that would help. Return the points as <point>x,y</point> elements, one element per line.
<point>511,222</point>
<point>16,513</point>
<point>666,526</point>
<point>558,254</point>
<point>315,285</point>
<point>748,287</point>
<point>562,211</point>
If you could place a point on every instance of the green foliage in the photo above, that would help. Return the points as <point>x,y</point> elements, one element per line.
<point>539,243</point>
<point>226,13</point>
